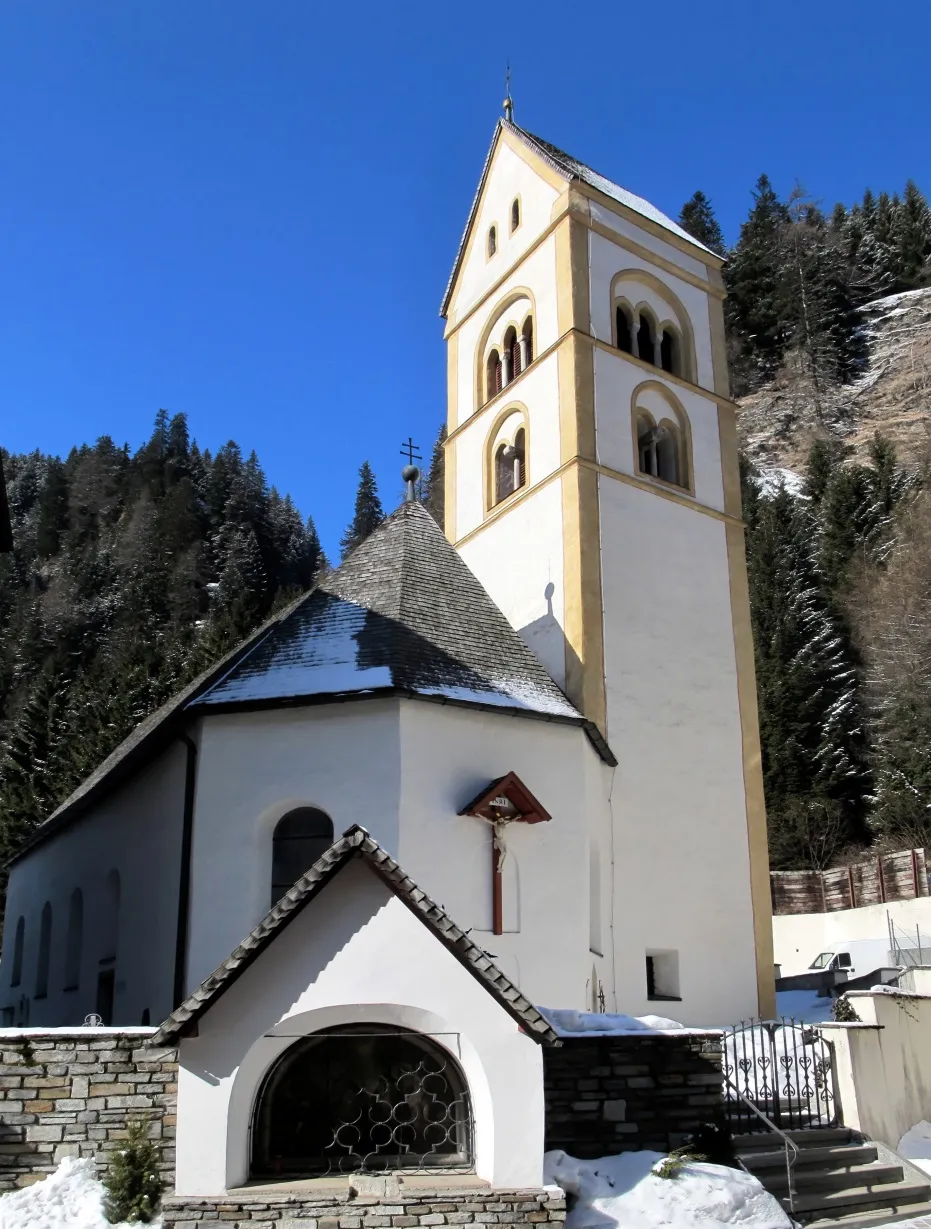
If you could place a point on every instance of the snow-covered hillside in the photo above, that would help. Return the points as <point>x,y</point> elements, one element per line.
<point>893,396</point>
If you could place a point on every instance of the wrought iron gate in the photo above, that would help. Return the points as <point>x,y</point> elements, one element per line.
<point>784,1067</point>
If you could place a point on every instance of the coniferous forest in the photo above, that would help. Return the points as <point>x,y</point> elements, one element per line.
<point>132,572</point>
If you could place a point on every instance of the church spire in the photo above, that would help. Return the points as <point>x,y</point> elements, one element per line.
<point>508,103</point>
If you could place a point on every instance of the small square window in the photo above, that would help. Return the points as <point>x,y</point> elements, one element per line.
<point>662,970</point>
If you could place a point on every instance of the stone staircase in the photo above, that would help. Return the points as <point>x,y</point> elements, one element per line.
<point>841,1178</point>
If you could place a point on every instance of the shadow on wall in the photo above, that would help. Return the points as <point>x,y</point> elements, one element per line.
<point>547,641</point>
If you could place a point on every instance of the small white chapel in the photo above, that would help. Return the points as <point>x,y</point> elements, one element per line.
<point>471,775</point>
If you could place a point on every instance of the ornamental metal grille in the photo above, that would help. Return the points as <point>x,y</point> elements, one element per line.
<point>366,1100</point>
<point>785,1068</point>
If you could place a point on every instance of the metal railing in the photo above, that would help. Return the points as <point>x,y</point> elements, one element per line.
<point>791,1148</point>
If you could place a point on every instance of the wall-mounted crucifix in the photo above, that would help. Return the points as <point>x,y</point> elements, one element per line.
<point>505,801</point>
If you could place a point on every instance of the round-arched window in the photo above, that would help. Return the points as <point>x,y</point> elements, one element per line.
<point>369,1098</point>
<point>300,838</point>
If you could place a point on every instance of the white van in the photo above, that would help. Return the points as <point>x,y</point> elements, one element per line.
<point>856,957</point>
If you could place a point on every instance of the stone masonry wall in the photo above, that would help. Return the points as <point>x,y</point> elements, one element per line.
<point>479,1208</point>
<point>71,1093</point>
<point>623,1093</point>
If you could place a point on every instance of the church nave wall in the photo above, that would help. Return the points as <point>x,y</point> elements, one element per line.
<point>123,857</point>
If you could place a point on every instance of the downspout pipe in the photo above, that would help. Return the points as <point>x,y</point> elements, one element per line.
<point>184,877</point>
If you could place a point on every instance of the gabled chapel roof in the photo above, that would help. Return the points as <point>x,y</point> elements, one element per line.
<point>356,843</point>
<point>570,169</point>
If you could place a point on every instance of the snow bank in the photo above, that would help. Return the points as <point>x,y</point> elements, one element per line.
<point>915,1145</point>
<point>70,1198</point>
<point>770,481</point>
<point>624,1191</point>
<point>570,1023</point>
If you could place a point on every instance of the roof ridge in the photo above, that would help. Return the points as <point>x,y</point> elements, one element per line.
<point>357,841</point>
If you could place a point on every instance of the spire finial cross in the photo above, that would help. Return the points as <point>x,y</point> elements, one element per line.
<point>410,450</point>
<point>508,100</point>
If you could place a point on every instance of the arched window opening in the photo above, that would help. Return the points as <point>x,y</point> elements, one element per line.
<point>646,446</point>
<point>645,340</point>
<point>300,838</point>
<point>520,459</point>
<point>19,943</point>
<point>510,466</point>
<point>492,242</point>
<point>364,1098</point>
<point>512,366</point>
<point>669,352</point>
<point>623,330</point>
<point>526,338</point>
<point>515,215</point>
<point>75,940</point>
<point>667,455</point>
<point>594,900</point>
<point>493,375</point>
<point>45,952</point>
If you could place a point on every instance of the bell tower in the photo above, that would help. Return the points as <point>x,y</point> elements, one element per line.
<point>592,485</point>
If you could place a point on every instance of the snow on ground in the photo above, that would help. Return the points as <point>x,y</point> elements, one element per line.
<point>804,1006</point>
<point>624,1191</point>
<point>569,1023</point>
<point>915,1145</point>
<point>769,482</point>
<point>70,1198</point>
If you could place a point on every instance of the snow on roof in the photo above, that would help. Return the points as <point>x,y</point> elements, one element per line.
<point>570,1023</point>
<point>403,614</point>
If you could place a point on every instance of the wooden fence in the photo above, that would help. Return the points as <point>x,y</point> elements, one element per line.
<point>891,876</point>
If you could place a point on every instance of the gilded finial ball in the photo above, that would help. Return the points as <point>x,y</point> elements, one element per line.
<point>410,473</point>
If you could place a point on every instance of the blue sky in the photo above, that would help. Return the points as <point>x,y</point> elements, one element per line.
<point>248,210</point>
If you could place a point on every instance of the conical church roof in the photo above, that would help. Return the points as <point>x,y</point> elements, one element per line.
<point>403,614</point>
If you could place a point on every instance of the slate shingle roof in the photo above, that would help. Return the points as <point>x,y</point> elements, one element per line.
<point>571,169</point>
<point>403,614</point>
<point>356,843</point>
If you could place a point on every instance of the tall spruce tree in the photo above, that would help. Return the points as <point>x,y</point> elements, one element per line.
<point>368,514</point>
<point>697,217</point>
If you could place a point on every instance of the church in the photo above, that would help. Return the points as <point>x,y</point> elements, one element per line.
<point>470,775</point>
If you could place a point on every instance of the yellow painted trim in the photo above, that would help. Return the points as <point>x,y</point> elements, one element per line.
<point>449,453</point>
<point>665,292</point>
<point>658,374</point>
<point>708,259</point>
<point>722,383</point>
<point>730,465</point>
<point>533,160</point>
<point>453,323</point>
<point>753,772</point>
<point>668,266</point>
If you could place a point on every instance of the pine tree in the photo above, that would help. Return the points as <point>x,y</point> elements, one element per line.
<point>368,514</point>
<point>755,306</point>
<point>133,1185</point>
<point>434,492</point>
<point>697,217</point>
<point>912,235</point>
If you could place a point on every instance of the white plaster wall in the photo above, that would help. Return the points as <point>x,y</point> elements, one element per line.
<point>646,239</point>
<point>519,560</point>
<point>355,954</point>
<point>680,827</point>
<point>883,1073</point>
<point>509,176</point>
<point>136,831</point>
<point>538,275</point>
<point>255,766</point>
<point>615,382</point>
<point>538,392</point>
<point>546,862</point>
<point>799,937</point>
<point>607,259</point>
